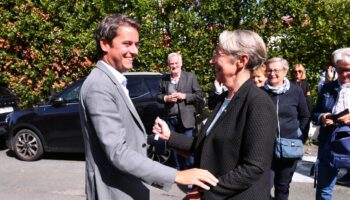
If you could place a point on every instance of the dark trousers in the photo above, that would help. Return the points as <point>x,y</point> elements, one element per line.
<point>281,176</point>
<point>181,161</point>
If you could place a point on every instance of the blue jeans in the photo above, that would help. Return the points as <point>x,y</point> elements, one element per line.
<point>326,177</point>
<point>180,161</point>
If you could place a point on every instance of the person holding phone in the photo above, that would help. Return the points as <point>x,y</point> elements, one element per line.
<point>334,98</point>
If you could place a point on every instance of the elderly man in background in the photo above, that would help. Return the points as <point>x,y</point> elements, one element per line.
<point>180,92</point>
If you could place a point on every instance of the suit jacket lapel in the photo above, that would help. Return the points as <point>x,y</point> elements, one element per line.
<point>182,81</point>
<point>121,92</point>
<point>237,100</point>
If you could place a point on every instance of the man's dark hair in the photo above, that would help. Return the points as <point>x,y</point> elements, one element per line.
<point>107,29</point>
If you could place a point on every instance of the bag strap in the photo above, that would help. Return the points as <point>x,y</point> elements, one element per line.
<point>278,121</point>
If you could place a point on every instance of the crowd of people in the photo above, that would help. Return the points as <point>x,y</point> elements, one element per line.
<point>232,157</point>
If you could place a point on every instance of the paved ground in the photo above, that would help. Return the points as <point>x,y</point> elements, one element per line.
<point>61,177</point>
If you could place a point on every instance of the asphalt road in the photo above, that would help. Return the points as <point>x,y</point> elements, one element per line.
<point>61,177</point>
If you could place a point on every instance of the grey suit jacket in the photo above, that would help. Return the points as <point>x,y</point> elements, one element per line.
<point>115,142</point>
<point>188,84</point>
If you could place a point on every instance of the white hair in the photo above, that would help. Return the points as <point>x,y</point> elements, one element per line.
<point>241,42</point>
<point>281,60</point>
<point>174,54</point>
<point>341,55</point>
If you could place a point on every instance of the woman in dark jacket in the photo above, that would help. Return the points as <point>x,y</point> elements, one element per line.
<point>334,98</point>
<point>299,78</point>
<point>236,143</point>
<point>293,114</point>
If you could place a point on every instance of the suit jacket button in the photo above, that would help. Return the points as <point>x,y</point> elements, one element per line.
<point>144,145</point>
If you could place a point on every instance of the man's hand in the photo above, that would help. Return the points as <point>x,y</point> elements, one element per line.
<point>179,96</point>
<point>199,177</point>
<point>161,128</point>
<point>171,98</point>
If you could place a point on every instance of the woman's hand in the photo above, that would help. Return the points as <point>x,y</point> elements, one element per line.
<point>326,120</point>
<point>161,129</point>
<point>193,195</point>
<point>344,119</point>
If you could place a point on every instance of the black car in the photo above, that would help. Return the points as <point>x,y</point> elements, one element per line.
<point>8,103</point>
<point>55,126</point>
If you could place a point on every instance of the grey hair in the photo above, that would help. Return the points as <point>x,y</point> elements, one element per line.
<point>341,55</point>
<point>240,42</point>
<point>281,60</point>
<point>175,54</point>
<point>108,27</point>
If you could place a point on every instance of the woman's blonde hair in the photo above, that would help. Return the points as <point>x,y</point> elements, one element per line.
<point>261,69</point>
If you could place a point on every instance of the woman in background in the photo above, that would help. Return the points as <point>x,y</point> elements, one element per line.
<point>300,79</point>
<point>293,114</point>
<point>259,75</point>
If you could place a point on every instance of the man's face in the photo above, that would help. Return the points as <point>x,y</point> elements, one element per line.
<point>343,70</point>
<point>174,64</point>
<point>124,48</point>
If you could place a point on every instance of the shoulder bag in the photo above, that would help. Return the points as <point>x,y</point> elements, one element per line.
<point>340,147</point>
<point>287,148</point>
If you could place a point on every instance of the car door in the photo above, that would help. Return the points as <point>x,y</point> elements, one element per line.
<point>62,114</point>
<point>143,92</point>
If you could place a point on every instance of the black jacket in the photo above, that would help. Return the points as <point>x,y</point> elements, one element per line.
<point>238,149</point>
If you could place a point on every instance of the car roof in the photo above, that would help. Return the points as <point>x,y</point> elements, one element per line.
<point>142,73</point>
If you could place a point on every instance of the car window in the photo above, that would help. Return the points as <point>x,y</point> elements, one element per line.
<point>4,91</point>
<point>71,94</point>
<point>136,87</point>
<point>153,84</point>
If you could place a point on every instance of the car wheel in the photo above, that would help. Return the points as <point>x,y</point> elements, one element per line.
<point>27,145</point>
<point>156,156</point>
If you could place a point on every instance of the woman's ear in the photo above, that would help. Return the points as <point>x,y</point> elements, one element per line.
<point>242,61</point>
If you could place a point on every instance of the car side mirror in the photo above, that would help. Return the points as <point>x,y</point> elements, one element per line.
<point>56,102</point>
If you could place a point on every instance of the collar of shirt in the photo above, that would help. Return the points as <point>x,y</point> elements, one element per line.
<point>174,80</point>
<point>119,76</point>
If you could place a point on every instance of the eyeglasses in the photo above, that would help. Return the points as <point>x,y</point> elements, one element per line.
<point>276,71</point>
<point>298,71</point>
<point>342,70</point>
<point>219,53</point>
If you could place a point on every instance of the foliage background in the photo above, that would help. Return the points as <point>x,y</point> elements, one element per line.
<point>49,44</point>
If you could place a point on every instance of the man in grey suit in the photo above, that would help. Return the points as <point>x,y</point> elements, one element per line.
<point>115,139</point>
<point>180,92</point>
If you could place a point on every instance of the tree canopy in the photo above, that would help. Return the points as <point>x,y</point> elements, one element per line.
<point>49,44</point>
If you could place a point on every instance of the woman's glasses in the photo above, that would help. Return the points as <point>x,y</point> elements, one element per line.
<point>275,71</point>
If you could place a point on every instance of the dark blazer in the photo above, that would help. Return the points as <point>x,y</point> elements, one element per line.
<point>187,84</point>
<point>325,103</point>
<point>239,148</point>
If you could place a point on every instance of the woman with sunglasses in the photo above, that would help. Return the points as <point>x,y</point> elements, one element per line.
<point>300,79</point>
